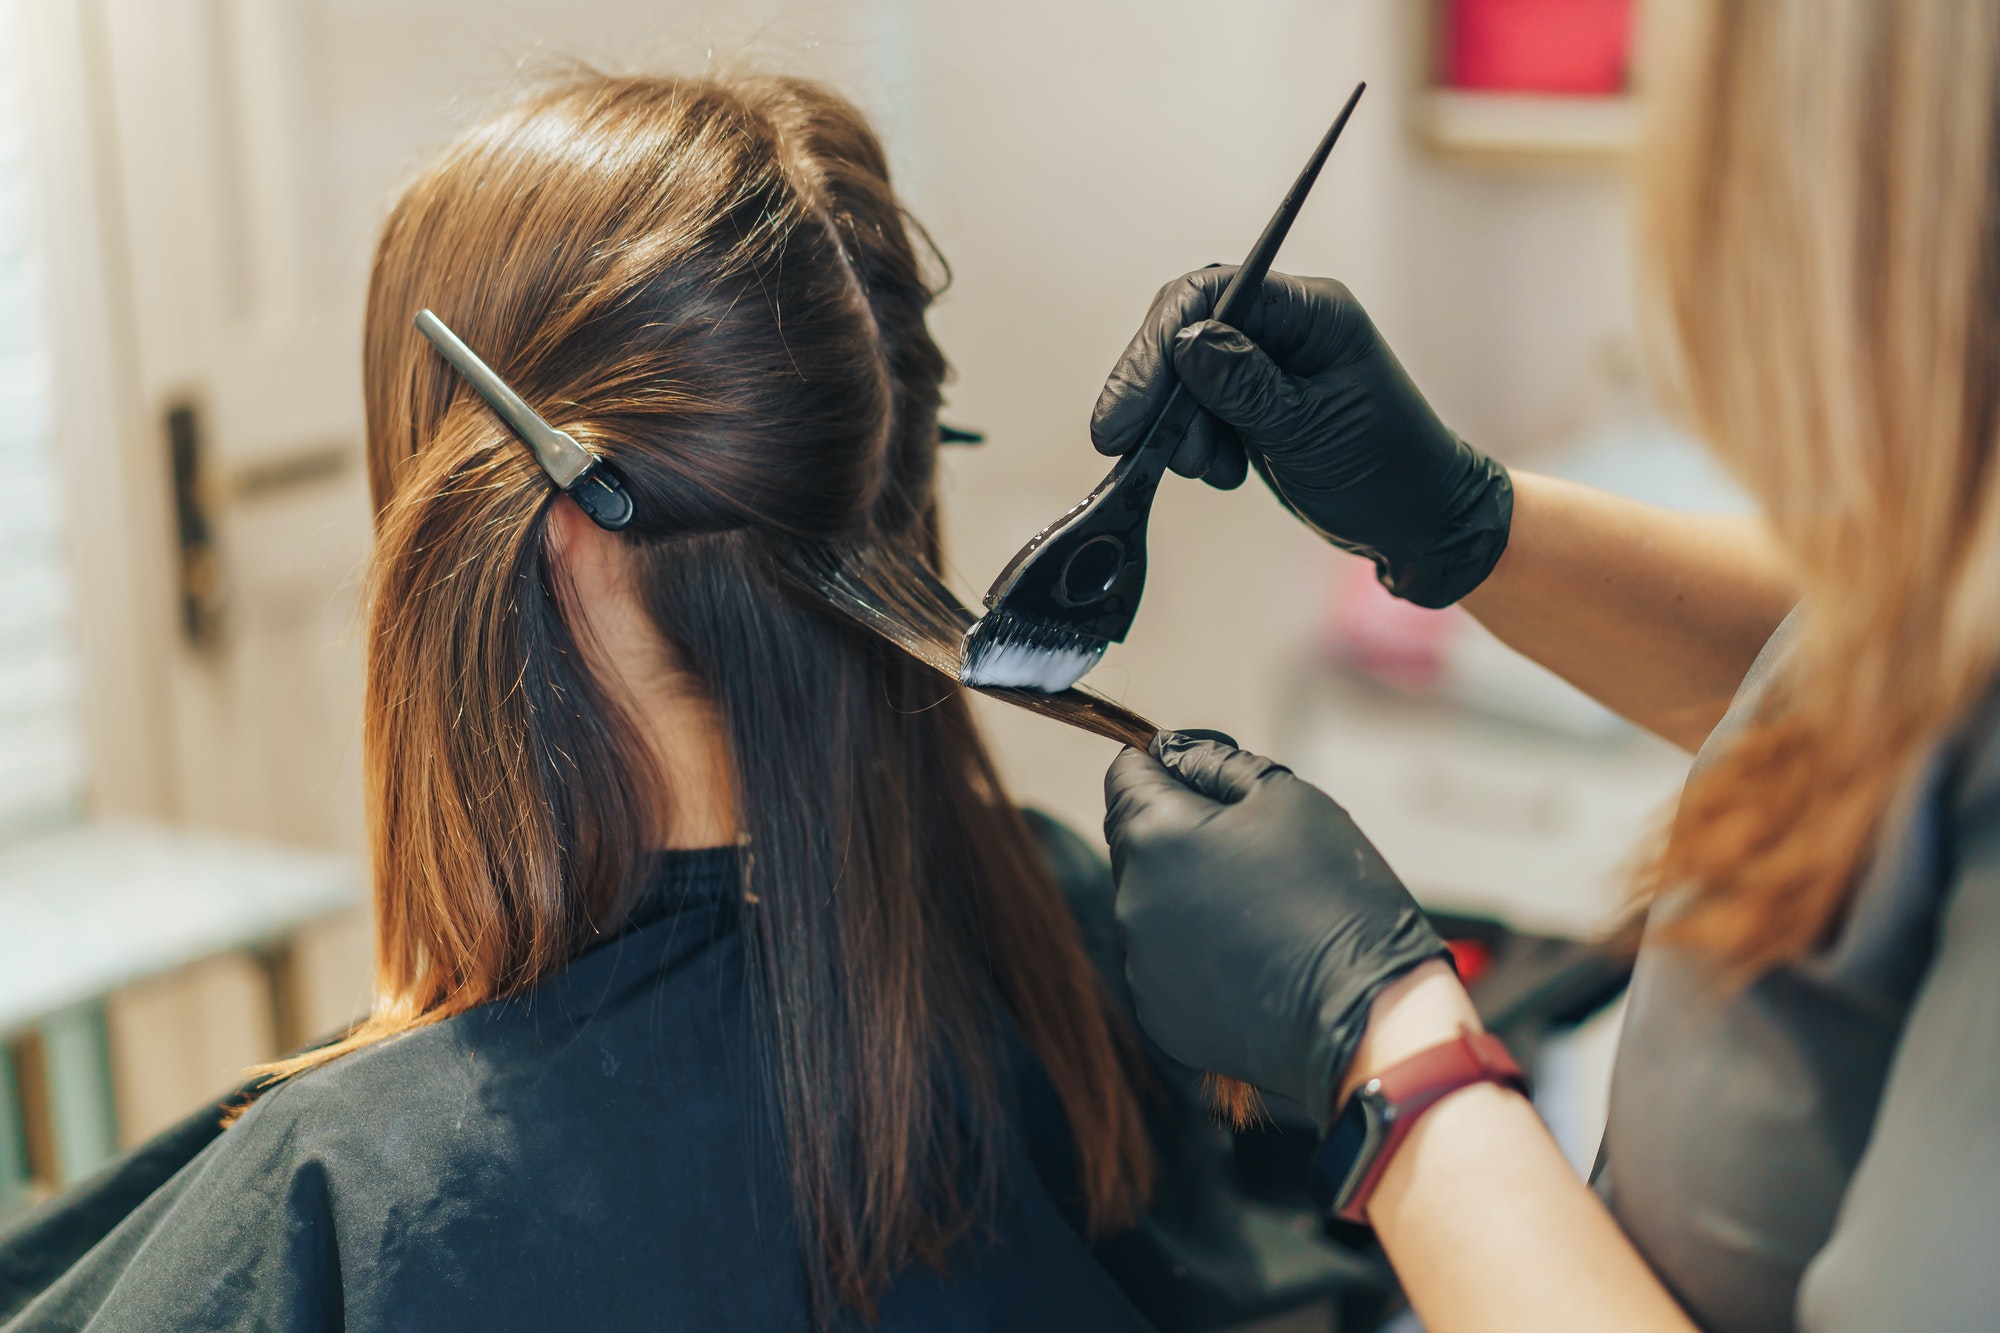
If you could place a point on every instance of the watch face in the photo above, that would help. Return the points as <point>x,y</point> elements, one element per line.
<point>1352,1143</point>
<point>1344,1141</point>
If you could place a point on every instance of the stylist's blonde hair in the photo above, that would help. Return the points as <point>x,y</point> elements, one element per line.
<point>1820,207</point>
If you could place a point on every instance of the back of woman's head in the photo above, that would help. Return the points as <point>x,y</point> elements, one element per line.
<point>1823,205</point>
<point>711,285</point>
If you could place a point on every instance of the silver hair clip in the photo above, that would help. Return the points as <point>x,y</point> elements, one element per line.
<point>576,471</point>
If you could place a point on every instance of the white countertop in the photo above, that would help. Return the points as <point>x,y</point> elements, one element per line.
<point>88,909</point>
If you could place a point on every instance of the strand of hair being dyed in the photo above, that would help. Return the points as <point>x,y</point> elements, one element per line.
<point>903,601</point>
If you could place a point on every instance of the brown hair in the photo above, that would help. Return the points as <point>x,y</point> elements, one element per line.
<point>1821,210</point>
<point>711,284</point>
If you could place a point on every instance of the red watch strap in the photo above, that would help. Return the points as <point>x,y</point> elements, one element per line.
<point>1411,1087</point>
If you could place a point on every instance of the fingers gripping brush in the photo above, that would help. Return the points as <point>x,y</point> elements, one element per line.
<point>1074,588</point>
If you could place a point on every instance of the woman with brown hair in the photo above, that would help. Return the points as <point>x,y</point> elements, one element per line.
<point>719,984</point>
<point>1805,1114</point>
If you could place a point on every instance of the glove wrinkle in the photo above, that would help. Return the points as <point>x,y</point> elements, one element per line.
<point>1220,772</point>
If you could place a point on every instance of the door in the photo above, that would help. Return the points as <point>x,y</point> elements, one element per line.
<point>242,328</point>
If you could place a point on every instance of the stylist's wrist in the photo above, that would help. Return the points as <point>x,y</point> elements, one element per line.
<point>1421,1009</point>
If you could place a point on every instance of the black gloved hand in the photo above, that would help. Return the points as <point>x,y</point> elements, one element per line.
<point>1259,923</point>
<point>1314,397</point>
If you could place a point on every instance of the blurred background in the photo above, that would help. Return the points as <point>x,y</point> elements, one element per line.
<point>189,192</point>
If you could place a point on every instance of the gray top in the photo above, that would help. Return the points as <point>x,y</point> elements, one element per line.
<point>1821,1150</point>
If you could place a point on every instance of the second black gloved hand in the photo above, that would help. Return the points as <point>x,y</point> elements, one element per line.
<point>1259,923</point>
<point>1307,392</point>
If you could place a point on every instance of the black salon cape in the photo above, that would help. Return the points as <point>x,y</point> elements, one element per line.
<point>592,1155</point>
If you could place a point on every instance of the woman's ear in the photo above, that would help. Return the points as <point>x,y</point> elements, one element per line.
<point>601,599</point>
<point>593,562</point>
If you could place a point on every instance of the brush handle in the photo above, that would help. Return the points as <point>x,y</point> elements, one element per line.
<point>1178,414</point>
<point>1242,288</point>
<point>1084,573</point>
<point>1138,473</point>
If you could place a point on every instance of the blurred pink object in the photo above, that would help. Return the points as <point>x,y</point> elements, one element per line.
<point>1581,47</point>
<point>1384,637</point>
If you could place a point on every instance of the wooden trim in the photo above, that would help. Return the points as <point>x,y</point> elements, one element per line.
<point>1514,125</point>
<point>38,1134</point>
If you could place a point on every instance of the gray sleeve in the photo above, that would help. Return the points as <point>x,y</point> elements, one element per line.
<point>1917,1242</point>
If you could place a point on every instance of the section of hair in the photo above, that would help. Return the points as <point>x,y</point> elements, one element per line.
<point>1236,1103</point>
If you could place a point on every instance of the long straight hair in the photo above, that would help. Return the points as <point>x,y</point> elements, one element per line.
<point>710,283</point>
<point>1821,217</point>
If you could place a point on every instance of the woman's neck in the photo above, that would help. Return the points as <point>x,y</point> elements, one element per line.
<point>682,730</point>
<point>674,715</point>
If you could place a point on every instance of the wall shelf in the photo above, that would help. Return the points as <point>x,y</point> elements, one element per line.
<point>1517,125</point>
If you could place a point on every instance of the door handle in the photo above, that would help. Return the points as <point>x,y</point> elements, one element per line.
<point>200,497</point>
<point>199,564</point>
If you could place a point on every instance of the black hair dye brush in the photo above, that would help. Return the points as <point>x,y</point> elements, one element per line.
<point>1074,588</point>
<point>896,596</point>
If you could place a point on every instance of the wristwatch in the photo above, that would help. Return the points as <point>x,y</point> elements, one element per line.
<point>1381,1112</point>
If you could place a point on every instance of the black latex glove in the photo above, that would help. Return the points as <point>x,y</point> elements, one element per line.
<point>1259,923</point>
<point>1309,393</point>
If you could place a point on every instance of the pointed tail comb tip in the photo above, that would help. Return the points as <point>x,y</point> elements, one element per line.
<point>1004,651</point>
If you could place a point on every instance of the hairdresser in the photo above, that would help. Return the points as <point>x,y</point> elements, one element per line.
<point>1805,1115</point>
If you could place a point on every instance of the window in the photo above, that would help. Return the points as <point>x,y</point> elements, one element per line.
<point>41,738</point>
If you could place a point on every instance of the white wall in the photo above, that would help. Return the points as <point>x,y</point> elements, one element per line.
<point>1068,158</point>
<point>1071,158</point>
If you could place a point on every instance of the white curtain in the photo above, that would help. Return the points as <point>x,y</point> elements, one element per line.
<point>41,739</point>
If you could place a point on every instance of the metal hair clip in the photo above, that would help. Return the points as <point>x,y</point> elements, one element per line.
<point>576,471</point>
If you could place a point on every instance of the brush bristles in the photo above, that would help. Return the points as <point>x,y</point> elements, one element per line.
<point>1004,651</point>
<point>894,594</point>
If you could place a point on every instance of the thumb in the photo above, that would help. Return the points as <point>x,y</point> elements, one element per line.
<point>1138,789</point>
<point>1217,770</point>
<point>1232,377</point>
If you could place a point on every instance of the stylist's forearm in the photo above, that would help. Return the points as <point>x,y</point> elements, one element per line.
<point>1654,613</point>
<point>1488,1227</point>
<point>1491,1232</point>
